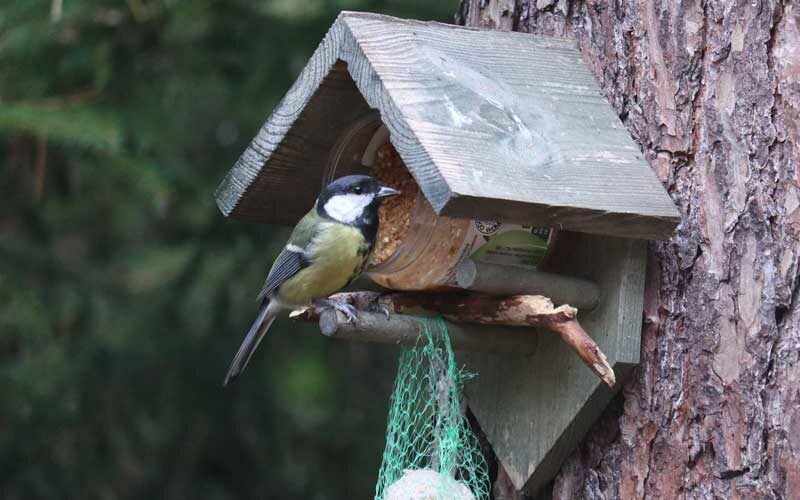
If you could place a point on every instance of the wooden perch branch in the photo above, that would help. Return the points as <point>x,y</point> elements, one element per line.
<point>461,310</point>
<point>405,330</point>
<point>518,310</point>
<point>497,279</point>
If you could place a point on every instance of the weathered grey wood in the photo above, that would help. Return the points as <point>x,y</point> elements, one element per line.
<point>405,330</point>
<point>531,311</point>
<point>516,310</point>
<point>535,410</point>
<point>491,125</point>
<point>497,279</point>
<point>279,175</point>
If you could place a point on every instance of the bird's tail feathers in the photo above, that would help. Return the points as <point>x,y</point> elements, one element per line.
<point>260,326</point>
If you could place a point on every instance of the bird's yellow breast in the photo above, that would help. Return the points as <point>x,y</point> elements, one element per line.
<point>337,255</point>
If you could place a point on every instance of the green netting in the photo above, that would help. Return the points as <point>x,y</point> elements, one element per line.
<point>431,452</point>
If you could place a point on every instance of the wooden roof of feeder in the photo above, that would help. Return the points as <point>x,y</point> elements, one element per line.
<point>491,125</point>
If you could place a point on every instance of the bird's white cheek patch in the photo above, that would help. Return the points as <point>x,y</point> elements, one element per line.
<point>347,208</point>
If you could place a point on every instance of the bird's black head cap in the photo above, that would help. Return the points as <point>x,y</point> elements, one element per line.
<point>354,200</point>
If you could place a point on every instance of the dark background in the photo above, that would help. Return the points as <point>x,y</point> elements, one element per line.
<point>124,293</point>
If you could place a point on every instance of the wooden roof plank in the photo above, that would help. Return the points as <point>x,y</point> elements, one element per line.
<point>490,124</point>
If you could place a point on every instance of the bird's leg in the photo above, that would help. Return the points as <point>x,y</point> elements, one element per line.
<point>377,307</point>
<point>343,307</point>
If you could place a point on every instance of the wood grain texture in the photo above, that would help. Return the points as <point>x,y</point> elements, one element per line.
<point>517,310</point>
<point>711,90</point>
<point>534,411</point>
<point>497,279</point>
<point>279,175</point>
<point>490,124</point>
<point>402,329</point>
<point>528,311</point>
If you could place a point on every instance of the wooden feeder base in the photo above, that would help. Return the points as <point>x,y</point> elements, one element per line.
<point>534,410</point>
<point>533,398</point>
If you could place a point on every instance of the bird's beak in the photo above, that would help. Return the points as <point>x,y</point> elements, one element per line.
<point>385,191</point>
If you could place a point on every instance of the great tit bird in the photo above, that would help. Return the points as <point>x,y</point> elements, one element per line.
<point>326,251</point>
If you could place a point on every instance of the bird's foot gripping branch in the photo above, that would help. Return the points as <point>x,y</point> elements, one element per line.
<point>464,312</point>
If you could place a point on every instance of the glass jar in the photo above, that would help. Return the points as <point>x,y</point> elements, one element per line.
<point>428,254</point>
<point>432,246</point>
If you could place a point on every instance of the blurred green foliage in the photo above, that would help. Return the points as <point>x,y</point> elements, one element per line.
<point>124,293</point>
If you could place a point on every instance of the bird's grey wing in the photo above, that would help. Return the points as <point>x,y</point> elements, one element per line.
<point>293,258</point>
<point>286,265</point>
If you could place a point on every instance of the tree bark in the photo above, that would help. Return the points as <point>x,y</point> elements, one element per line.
<point>711,91</point>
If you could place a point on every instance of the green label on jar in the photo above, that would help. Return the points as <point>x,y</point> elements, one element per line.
<point>510,244</point>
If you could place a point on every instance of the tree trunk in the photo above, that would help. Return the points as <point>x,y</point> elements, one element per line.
<point>711,91</point>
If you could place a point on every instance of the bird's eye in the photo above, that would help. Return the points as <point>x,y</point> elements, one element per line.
<point>358,189</point>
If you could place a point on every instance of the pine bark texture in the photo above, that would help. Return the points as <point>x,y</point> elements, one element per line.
<point>711,91</point>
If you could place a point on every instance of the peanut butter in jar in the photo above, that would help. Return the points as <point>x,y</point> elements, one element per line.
<point>415,249</point>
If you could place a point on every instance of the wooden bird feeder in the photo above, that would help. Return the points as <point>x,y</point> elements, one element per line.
<point>491,126</point>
